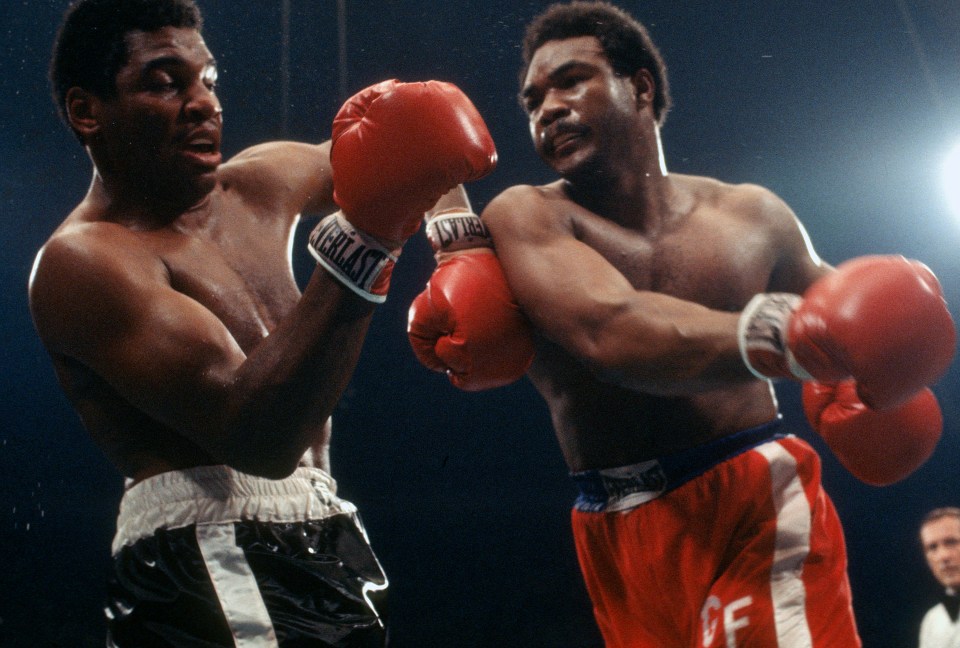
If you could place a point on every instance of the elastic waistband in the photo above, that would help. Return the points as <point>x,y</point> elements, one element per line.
<point>217,494</point>
<point>625,487</point>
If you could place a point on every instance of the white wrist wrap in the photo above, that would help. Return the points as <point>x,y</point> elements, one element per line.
<point>761,335</point>
<point>457,230</point>
<point>357,259</point>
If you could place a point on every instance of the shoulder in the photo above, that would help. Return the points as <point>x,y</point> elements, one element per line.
<point>935,613</point>
<point>522,194</point>
<point>750,206</point>
<point>82,268</point>
<point>528,207</point>
<point>277,156</point>
<point>935,627</point>
<point>81,244</point>
<point>765,222</point>
<point>746,200</point>
<point>279,171</point>
<point>274,161</point>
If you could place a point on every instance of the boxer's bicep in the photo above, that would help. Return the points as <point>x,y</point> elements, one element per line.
<point>570,293</point>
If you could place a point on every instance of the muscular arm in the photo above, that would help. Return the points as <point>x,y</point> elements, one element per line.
<point>644,340</point>
<point>797,264</point>
<point>301,173</point>
<point>297,174</point>
<point>96,298</point>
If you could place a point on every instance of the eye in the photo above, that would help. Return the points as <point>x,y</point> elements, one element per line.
<point>529,100</point>
<point>572,80</point>
<point>209,76</point>
<point>160,81</point>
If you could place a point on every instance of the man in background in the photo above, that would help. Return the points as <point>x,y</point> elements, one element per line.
<point>940,540</point>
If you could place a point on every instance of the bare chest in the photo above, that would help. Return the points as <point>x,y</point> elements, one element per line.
<point>707,258</point>
<point>239,269</point>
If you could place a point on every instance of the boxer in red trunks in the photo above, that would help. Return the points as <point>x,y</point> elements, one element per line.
<point>662,306</point>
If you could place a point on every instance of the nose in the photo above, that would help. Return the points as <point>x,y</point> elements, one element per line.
<point>202,103</point>
<point>553,107</point>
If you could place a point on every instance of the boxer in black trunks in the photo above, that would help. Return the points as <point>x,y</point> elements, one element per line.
<point>168,305</point>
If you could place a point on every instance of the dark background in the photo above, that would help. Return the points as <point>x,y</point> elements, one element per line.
<point>845,109</point>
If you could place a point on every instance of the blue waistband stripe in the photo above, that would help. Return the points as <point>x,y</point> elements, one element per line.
<point>622,487</point>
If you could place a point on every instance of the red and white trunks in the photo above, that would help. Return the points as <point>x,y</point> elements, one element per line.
<point>733,544</point>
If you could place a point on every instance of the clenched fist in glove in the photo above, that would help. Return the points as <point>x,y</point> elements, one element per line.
<point>397,147</point>
<point>877,447</point>
<point>880,320</point>
<point>466,322</point>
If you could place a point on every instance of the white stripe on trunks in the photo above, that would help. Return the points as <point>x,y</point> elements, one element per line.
<point>236,587</point>
<point>792,546</point>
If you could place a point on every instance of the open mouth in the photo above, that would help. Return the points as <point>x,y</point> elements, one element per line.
<point>203,150</point>
<point>202,146</point>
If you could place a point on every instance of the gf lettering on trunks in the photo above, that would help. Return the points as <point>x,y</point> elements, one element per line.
<point>714,611</point>
<point>457,231</point>
<point>358,260</point>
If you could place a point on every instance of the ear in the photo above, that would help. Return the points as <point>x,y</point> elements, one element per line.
<point>645,88</point>
<point>83,110</point>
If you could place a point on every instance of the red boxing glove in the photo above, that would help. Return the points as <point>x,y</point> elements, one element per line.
<point>467,324</point>
<point>881,320</point>
<point>877,447</point>
<point>398,147</point>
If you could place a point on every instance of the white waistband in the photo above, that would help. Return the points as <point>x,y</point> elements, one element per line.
<point>216,494</point>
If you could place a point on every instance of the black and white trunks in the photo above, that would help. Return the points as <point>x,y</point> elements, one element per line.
<point>213,557</point>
